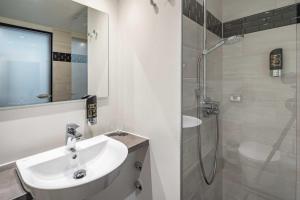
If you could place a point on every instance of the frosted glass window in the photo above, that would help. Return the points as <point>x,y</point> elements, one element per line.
<point>25,66</point>
<point>79,68</point>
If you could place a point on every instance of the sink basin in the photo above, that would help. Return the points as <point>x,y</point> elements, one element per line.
<point>51,175</point>
<point>190,122</point>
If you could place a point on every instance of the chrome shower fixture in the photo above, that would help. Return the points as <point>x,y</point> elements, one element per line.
<point>205,105</point>
<point>226,41</point>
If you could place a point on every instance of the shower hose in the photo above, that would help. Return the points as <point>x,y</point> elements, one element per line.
<point>209,179</point>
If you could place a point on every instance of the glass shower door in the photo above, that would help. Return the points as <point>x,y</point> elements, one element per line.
<point>255,82</point>
<point>259,101</point>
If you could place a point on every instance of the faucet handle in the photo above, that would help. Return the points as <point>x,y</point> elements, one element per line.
<point>78,136</point>
<point>71,128</point>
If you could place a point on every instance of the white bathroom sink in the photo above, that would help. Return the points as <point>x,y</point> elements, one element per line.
<point>190,122</point>
<point>50,175</point>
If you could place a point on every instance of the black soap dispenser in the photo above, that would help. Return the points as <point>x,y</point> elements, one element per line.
<point>91,109</point>
<point>276,62</point>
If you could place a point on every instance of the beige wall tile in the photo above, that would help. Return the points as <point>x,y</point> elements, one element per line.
<point>262,115</point>
<point>62,78</point>
<point>62,41</point>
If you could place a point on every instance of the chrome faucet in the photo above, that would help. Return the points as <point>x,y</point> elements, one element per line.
<point>72,135</point>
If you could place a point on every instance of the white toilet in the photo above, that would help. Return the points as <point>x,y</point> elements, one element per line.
<point>253,155</point>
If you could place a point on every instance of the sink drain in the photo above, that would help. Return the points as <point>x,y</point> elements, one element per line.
<point>79,174</point>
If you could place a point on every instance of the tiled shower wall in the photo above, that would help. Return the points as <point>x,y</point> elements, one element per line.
<point>234,9</point>
<point>266,113</point>
<point>63,62</point>
<point>263,114</point>
<point>193,187</point>
<point>273,18</point>
<point>298,110</point>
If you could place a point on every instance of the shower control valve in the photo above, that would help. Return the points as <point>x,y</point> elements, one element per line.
<point>138,165</point>
<point>210,107</point>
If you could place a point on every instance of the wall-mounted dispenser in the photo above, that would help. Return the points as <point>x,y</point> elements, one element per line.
<point>276,62</point>
<point>91,109</point>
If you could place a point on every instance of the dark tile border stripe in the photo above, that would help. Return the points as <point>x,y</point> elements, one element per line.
<point>67,57</point>
<point>263,21</point>
<point>63,57</point>
<point>194,10</point>
<point>284,16</point>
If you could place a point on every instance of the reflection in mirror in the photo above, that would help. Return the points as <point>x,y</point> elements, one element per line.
<point>46,50</point>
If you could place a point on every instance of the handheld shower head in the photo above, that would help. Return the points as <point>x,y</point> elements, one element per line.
<point>228,41</point>
<point>233,39</point>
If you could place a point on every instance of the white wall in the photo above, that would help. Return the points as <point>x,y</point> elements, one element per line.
<point>25,131</point>
<point>150,57</point>
<point>98,46</point>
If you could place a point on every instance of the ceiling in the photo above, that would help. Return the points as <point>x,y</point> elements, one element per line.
<point>61,14</point>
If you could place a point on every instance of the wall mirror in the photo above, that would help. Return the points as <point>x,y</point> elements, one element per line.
<point>51,51</point>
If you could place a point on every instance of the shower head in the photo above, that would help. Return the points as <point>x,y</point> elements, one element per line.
<point>227,41</point>
<point>233,39</point>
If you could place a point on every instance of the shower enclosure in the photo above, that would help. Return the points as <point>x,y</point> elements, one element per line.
<point>239,100</point>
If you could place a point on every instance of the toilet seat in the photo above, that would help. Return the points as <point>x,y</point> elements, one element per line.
<point>257,152</point>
